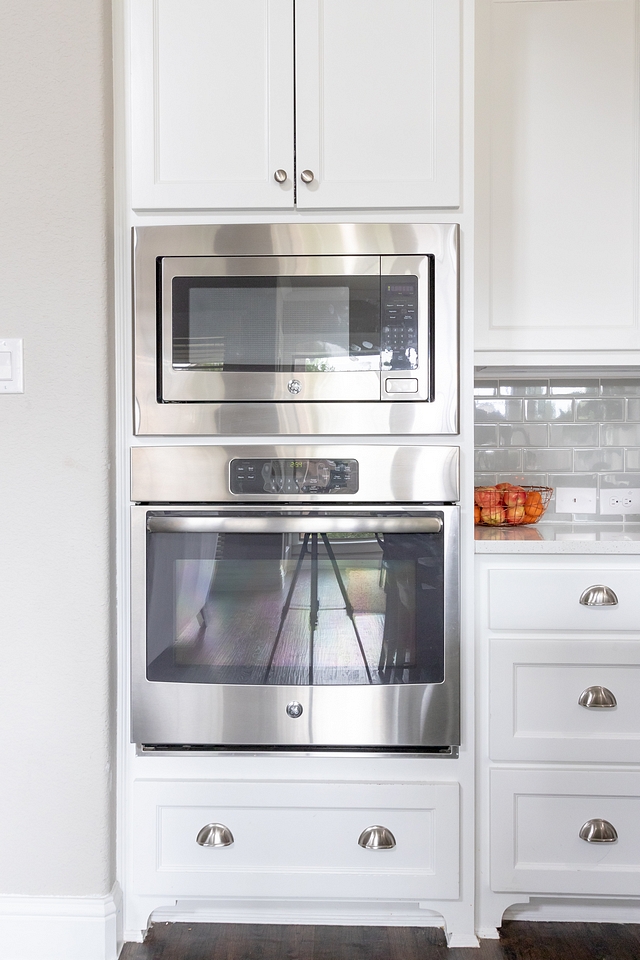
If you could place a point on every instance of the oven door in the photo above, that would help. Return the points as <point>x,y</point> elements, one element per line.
<point>281,627</point>
<point>302,328</point>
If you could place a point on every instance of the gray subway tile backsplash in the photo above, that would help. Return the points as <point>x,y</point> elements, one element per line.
<point>488,460</point>
<point>572,434</point>
<point>620,434</point>
<point>599,411</point>
<point>523,435</point>
<point>547,459</point>
<point>549,410</point>
<point>559,431</point>
<point>498,411</point>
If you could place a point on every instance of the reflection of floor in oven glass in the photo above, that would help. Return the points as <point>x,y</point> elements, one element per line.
<point>241,629</point>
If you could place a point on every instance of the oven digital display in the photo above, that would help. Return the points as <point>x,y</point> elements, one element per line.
<point>282,476</point>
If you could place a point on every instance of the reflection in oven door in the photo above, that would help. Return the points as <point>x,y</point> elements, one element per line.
<point>295,608</point>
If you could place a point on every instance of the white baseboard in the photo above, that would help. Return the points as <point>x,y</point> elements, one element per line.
<point>567,910</point>
<point>384,914</point>
<point>61,928</point>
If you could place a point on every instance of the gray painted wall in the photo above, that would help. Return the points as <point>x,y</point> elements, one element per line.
<point>56,807</point>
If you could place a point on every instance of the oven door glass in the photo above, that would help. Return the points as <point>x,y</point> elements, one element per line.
<point>265,328</point>
<point>295,600</point>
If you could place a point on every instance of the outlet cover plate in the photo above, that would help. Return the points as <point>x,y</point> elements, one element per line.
<point>620,502</point>
<point>576,499</point>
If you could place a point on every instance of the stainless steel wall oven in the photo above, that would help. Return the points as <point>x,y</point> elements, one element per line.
<point>295,596</point>
<point>296,329</point>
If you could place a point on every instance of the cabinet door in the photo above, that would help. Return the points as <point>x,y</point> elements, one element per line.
<point>563,210</point>
<point>378,102</point>
<point>212,103</point>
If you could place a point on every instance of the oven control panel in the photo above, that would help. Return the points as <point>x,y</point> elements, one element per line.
<point>282,476</point>
<point>399,333</point>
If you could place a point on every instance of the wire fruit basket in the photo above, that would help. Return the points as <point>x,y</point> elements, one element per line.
<point>509,505</point>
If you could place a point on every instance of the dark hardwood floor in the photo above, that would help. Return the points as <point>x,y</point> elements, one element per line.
<point>518,941</point>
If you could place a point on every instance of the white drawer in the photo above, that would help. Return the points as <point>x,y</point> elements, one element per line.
<point>296,839</point>
<point>534,599</point>
<point>536,817</point>
<point>533,703</point>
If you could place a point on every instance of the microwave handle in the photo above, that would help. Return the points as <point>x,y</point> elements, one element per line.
<point>294,524</point>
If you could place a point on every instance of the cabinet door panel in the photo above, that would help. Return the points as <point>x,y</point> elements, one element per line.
<point>564,171</point>
<point>212,103</point>
<point>377,102</point>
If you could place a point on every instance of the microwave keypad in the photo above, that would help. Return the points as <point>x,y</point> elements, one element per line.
<point>282,477</point>
<point>399,327</point>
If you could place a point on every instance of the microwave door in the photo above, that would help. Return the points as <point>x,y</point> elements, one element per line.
<point>270,329</point>
<point>407,328</point>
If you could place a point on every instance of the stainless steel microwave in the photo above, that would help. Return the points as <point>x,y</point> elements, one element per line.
<point>257,329</point>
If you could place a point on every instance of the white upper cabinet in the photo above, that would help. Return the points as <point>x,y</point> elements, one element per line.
<point>378,102</point>
<point>376,86</point>
<point>212,103</point>
<point>558,253</point>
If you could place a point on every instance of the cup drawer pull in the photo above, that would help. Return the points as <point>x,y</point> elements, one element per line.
<point>598,596</point>
<point>598,831</point>
<point>377,838</point>
<point>597,697</point>
<point>215,835</point>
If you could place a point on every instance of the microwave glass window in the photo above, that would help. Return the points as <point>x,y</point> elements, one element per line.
<point>303,608</point>
<point>274,324</point>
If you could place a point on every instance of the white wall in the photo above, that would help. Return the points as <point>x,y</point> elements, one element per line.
<point>56,830</point>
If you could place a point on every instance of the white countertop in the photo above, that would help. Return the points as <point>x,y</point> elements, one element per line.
<point>555,538</point>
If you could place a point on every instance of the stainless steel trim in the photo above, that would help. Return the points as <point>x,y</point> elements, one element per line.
<point>388,473</point>
<point>215,835</point>
<point>377,838</point>
<point>597,697</point>
<point>598,596</point>
<point>409,715</point>
<point>305,524</point>
<point>348,414</point>
<point>307,176</point>
<point>280,176</point>
<point>598,831</point>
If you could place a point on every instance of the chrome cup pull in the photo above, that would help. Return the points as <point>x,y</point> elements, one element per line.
<point>598,596</point>
<point>597,697</point>
<point>215,835</point>
<point>598,831</point>
<point>377,838</point>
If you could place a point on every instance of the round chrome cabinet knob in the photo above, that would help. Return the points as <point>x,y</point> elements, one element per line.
<point>294,387</point>
<point>280,175</point>
<point>307,176</point>
<point>294,709</point>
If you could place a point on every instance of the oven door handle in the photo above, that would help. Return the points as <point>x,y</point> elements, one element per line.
<point>294,524</point>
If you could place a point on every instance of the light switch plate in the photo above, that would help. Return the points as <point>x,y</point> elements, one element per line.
<point>11,366</point>
<point>576,499</point>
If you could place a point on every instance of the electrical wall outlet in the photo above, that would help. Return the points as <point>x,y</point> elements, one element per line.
<point>576,499</point>
<point>620,502</point>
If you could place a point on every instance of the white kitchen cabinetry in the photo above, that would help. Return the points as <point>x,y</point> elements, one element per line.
<point>549,761</point>
<point>376,85</point>
<point>297,839</point>
<point>559,170</point>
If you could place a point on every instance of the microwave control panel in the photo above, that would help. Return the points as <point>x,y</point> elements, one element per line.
<point>282,476</point>
<point>399,323</point>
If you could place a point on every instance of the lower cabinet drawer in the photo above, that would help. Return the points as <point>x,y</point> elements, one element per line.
<point>296,839</point>
<point>536,820</point>
<point>536,686</point>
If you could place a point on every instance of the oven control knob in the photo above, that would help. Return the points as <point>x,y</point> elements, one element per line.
<point>294,386</point>
<point>294,709</point>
